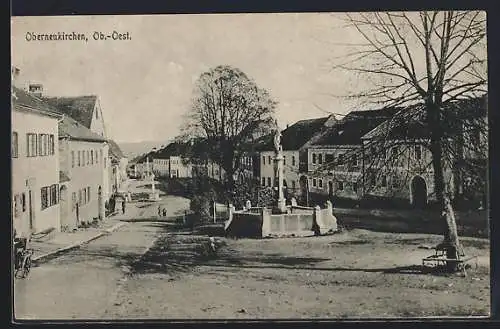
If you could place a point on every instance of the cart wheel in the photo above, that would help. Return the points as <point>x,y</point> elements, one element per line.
<point>27,266</point>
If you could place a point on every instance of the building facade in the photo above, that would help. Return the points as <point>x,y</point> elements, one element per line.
<point>83,160</point>
<point>35,165</point>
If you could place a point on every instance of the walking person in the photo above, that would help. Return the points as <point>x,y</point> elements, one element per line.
<point>123,206</point>
<point>159,211</point>
<point>164,212</point>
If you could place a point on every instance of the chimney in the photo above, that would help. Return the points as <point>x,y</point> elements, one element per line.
<point>36,89</point>
<point>15,76</point>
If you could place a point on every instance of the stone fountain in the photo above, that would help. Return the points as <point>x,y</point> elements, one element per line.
<point>281,220</point>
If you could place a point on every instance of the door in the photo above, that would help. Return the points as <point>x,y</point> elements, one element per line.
<point>99,203</point>
<point>418,192</point>
<point>31,211</point>
<point>63,207</point>
<point>77,209</point>
<point>330,190</point>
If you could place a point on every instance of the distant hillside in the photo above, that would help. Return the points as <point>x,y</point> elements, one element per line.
<point>134,149</point>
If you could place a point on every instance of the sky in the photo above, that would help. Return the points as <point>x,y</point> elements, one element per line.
<point>145,84</point>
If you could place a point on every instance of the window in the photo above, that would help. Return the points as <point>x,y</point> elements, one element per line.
<point>395,151</point>
<point>79,159</point>
<point>44,194</point>
<point>72,159</point>
<point>96,157</point>
<point>263,181</point>
<point>373,179</point>
<point>293,184</point>
<point>284,160</point>
<point>320,183</point>
<point>73,198</point>
<point>88,157</point>
<point>17,205</point>
<point>269,181</point>
<point>314,158</point>
<point>314,182</point>
<point>96,114</point>
<point>476,137</point>
<point>269,161</point>
<point>40,145</point>
<point>80,197</point>
<point>91,157</point>
<point>418,152</point>
<point>52,147</point>
<point>23,201</point>
<point>384,181</point>
<point>320,158</point>
<point>14,147</point>
<point>355,187</point>
<point>53,195</point>
<point>328,158</point>
<point>88,193</point>
<point>83,158</point>
<point>100,155</point>
<point>340,185</point>
<point>31,145</point>
<point>293,160</point>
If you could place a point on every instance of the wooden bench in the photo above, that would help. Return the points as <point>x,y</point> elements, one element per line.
<point>439,258</point>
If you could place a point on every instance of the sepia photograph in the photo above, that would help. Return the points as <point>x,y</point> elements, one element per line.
<point>268,166</point>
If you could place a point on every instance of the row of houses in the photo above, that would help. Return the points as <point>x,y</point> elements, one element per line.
<point>378,154</point>
<point>65,168</point>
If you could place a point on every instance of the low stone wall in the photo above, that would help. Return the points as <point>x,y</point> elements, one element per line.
<point>298,221</point>
<point>290,225</point>
<point>244,225</point>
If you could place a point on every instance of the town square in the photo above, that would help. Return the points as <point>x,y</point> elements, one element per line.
<point>250,166</point>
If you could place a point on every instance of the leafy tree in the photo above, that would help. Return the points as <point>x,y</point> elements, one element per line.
<point>228,111</point>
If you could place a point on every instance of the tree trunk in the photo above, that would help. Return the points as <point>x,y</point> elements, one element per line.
<point>451,241</point>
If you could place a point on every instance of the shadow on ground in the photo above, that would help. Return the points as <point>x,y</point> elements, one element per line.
<point>178,253</point>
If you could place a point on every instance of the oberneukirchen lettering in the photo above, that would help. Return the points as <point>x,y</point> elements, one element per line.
<point>59,36</point>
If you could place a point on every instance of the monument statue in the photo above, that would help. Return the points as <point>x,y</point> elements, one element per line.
<point>277,141</point>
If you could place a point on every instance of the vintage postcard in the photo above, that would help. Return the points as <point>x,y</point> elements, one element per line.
<point>250,166</point>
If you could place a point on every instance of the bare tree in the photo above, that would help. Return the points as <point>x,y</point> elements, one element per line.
<point>432,58</point>
<point>228,109</point>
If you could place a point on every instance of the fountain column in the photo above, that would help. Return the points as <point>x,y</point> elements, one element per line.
<point>279,170</point>
<point>278,160</point>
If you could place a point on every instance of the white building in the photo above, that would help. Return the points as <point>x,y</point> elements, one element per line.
<point>35,164</point>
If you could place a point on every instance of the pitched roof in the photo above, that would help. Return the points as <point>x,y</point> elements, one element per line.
<point>25,99</point>
<point>115,150</point>
<point>350,129</point>
<point>298,134</point>
<point>180,148</point>
<point>264,143</point>
<point>411,122</point>
<point>293,137</point>
<point>80,108</point>
<point>69,127</point>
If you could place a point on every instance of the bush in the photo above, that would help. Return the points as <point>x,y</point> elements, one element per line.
<point>201,206</point>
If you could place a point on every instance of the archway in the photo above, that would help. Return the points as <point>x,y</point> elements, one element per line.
<point>418,192</point>
<point>63,208</point>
